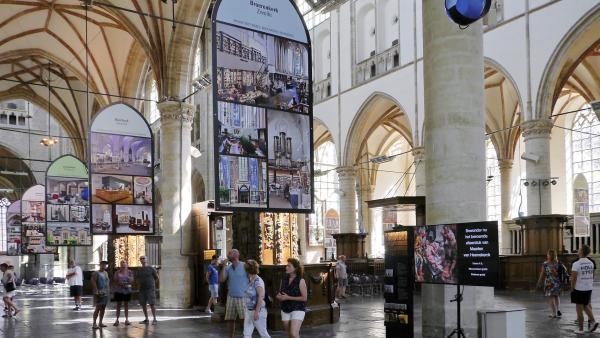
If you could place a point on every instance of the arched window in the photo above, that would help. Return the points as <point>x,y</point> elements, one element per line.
<point>154,113</point>
<point>585,147</point>
<point>327,199</point>
<point>4,204</point>
<point>493,183</point>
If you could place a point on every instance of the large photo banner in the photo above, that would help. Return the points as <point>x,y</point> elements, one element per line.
<point>67,203</point>
<point>581,207</point>
<point>121,169</point>
<point>262,107</point>
<point>33,222</point>
<point>13,229</point>
<point>464,254</point>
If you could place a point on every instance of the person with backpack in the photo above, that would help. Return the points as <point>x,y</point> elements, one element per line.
<point>552,278</point>
<point>256,312</point>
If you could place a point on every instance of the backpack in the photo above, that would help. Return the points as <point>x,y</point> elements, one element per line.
<point>563,274</point>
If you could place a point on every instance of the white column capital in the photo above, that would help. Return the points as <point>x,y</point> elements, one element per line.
<point>346,172</point>
<point>175,111</point>
<point>505,163</point>
<point>541,128</point>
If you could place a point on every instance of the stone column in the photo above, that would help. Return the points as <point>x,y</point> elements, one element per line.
<point>347,179</point>
<point>505,166</point>
<point>419,157</point>
<point>176,192</point>
<point>367,217</point>
<point>455,148</point>
<point>536,135</point>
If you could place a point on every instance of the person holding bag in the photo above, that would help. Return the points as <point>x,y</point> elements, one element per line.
<point>8,280</point>
<point>552,276</point>
<point>123,279</point>
<point>256,313</point>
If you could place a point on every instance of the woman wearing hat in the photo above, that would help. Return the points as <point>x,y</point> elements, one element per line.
<point>8,280</point>
<point>101,288</point>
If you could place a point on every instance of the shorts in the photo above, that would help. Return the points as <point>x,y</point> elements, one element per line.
<point>581,297</point>
<point>214,290</point>
<point>122,297</point>
<point>342,282</point>
<point>294,315</point>
<point>10,294</point>
<point>76,290</point>
<point>235,308</point>
<point>147,297</point>
<point>101,300</point>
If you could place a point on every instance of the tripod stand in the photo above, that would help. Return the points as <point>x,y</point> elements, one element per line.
<point>459,332</point>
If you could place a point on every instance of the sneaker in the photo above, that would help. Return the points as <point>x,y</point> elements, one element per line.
<point>145,321</point>
<point>558,314</point>
<point>208,311</point>
<point>154,322</point>
<point>76,308</point>
<point>593,327</point>
<point>579,331</point>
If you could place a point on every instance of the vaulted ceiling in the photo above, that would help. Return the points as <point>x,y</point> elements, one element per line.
<point>120,40</point>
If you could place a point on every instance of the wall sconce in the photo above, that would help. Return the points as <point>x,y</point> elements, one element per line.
<point>48,141</point>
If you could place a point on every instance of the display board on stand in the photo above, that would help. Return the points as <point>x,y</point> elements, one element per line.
<point>33,222</point>
<point>262,108</point>
<point>67,203</point>
<point>121,163</point>
<point>13,229</point>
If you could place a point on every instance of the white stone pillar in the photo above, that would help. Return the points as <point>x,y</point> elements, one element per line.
<point>419,157</point>
<point>536,135</point>
<point>505,166</point>
<point>455,148</point>
<point>176,192</point>
<point>347,179</point>
<point>367,217</point>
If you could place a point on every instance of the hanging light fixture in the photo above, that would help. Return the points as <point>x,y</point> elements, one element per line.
<point>49,141</point>
<point>465,12</point>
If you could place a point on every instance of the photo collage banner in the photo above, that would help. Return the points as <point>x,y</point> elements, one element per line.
<point>33,222</point>
<point>67,203</point>
<point>121,172</point>
<point>13,229</point>
<point>262,105</point>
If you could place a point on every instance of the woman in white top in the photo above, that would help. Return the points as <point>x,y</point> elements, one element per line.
<point>10,286</point>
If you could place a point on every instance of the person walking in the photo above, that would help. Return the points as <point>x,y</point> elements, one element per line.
<point>148,279</point>
<point>237,281</point>
<point>101,289</point>
<point>256,313</point>
<point>75,280</point>
<point>10,288</point>
<point>122,280</point>
<point>551,280</point>
<point>293,295</point>
<point>212,278</point>
<point>342,277</point>
<point>582,282</point>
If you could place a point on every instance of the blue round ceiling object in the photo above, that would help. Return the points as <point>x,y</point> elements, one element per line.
<point>465,12</point>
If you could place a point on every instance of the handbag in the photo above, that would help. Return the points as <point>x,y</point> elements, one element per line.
<point>9,287</point>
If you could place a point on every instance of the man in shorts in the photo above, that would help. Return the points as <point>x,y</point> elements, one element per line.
<point>212,278</point>
<point>75,280</point>
<point>582,282</point>
<point>341,274</point>
<point>148,279</point>
<point>237,283</point>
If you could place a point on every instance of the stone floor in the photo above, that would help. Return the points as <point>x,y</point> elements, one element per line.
<point>47,313</point>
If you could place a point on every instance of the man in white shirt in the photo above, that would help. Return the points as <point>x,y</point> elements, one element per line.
<point>582,284</point>
<point>75,280</point>
<point>342,277</point>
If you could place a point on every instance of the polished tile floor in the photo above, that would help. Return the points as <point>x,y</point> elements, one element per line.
<point>47,313</point>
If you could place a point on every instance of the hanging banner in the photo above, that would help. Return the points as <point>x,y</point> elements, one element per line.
<point>262,94</point>
<point>33,222</point>
<point>13,229</point>
<point>67,203</point>
<point>581,207</point>
<point>121,172</point>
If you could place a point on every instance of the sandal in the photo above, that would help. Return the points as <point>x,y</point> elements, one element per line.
<point>95,327</point>
<point>116,323</point>
<point>102,325</point>
<point>127,322</point>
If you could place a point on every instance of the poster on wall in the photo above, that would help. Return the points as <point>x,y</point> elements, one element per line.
<point>13,229</point>
<point>33,222</point>
<point>121,177</point>
<point>464,254</point>
<point>67,203</point>
<point>581,207</point>
<point>262,107</point>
